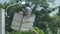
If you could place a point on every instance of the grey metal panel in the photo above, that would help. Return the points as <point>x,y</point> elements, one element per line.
<point>27,23</point>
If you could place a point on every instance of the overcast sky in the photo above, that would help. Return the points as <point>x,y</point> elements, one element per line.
<point>2,1</point>
<point>57,3</point>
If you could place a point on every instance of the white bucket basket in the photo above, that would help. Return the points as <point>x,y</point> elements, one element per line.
<point>27,22</point>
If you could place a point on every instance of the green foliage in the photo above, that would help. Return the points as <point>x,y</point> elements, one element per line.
<point>1,5</point>
<point>16,32</point>
<point>40,31</point>
<point>58,14</point>
<point>55,23</point>
<point>28,32</point>
<point>25,32</point>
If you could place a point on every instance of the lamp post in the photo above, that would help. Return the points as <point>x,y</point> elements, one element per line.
<point>2,19</point>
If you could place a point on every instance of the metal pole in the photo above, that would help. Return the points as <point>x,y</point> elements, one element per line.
<point>21,23</point>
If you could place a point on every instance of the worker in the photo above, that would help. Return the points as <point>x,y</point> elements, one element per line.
<point>27,10</point>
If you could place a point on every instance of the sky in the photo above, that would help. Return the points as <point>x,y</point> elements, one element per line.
<point>57,3</point>
<point>2,1</point>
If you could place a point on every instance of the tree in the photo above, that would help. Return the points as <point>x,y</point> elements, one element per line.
<point>42,16</point>
<point>55,22</point>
